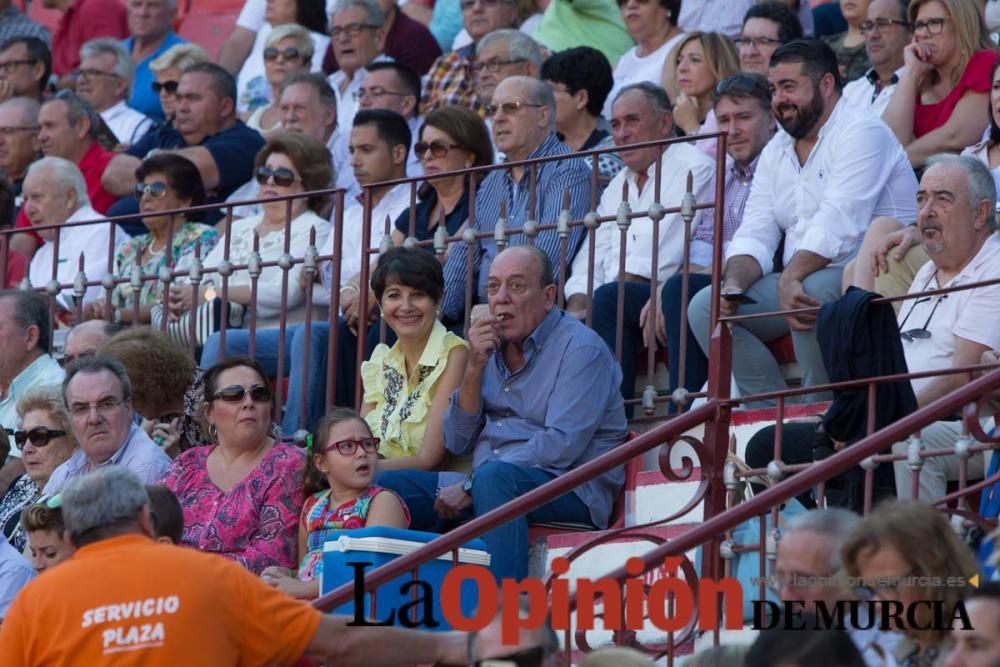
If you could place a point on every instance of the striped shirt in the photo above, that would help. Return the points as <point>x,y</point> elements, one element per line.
<point>448,82</point>
<point>554,178</point>
<point>738,182</point>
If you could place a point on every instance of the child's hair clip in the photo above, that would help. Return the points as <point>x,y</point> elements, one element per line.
<point>309,443</point>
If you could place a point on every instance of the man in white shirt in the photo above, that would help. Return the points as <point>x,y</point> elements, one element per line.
<point>358,39</point>
<point>886,32</point>
<point>105,79</point>
<point>956,200</point>
<point>725,16</point>
<point>55,194</point>
<point>641,112</point>
<point>826,174</point>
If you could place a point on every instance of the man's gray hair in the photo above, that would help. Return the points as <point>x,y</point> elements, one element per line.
<point>833,522</point>
<point>110,496</point>
<point>519,46</point>
<point>31,309</point>
<point>373,11</point>
<point>77,109</point>
<point>316,81</point>
<point>64,174</point>
<point>26,107</point>
<point>980,181</point>
<point>98,363</point>
<point>124,67</point>
<point>539,92</point>
<point>656,95</point>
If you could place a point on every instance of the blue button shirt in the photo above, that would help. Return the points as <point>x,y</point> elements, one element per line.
<point>561,410</point>
<point>143,98</point>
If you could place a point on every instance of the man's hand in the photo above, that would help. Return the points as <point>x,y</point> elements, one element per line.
<point>902,240</point>
<point>991,358</point>
<point>792,296</point>
<point>6,90</point>
<point>576,305</point>
<point>728,307</point>
<point>657,325</point>
<point>93,310</point>
<point>452,501</point>
<point>483,342</point>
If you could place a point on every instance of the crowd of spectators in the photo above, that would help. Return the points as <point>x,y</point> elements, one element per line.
<point>497,347</point>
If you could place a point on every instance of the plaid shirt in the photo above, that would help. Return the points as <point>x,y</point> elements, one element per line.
<point>15,24</point>
<point>448,82</point>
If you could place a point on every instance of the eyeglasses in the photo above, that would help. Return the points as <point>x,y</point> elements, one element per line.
<point>932,26</point>
<point>742,84</point>
<point>169,86</point>
<point>104,406</point>
<point>757,42</point>
<point>487,4</point>
<point>156,190</point>
<point>39,436</point>
<point>622,3</point>
<point>259,393</point>
<point>881,586</point>
<point>79,73</point>
<point>509,108</point>
<point>376,91</point>
<point>437,148</point>
<point>493,65</point>
<point>349,447</point>
<point>514,286</point>
<point>291,53</point>
<point>881,24</point>
<point>11,131</point>
<point>351,29</point>
<point>531,657</point>
<point>921,333</point>
<point>11,65</point>
<point>283,176</point>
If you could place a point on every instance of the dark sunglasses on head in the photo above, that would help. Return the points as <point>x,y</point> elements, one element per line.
<point>283,176</point>
<point>742,84</point>
<point>258,394</point>
<point>39,436</point>
<point>156,190</point>
<point>437,148</point>
<point>169,86</point>
<point>349,447</point>
<point>531,657</point>
<point>291,53</point>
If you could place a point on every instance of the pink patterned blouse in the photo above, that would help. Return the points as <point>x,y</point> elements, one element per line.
<point>255,523</point>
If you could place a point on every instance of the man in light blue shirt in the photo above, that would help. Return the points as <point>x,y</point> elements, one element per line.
<point>98,395</point>
<point>15,572</point>
<point>150,36</point>
<point>539,398</point>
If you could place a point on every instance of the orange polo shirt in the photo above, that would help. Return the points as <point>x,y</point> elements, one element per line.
<point>130,601</point>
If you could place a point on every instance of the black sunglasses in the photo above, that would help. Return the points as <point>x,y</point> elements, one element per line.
<point>169,86</point>
<point>531,657</point>
<point>258,394</point>
<point>283,176</point>
<point>437,148</point>
<point>921,333</point>
<point>742,84</point>
<point>156,190</point>
<point>291,53</point>
<point>39,436</point>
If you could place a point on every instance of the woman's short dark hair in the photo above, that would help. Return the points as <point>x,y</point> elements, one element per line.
<point>211,377</point>
<point>789,26</point>
<point>675,10</point>
<point>581,68</point>
<point>160,369</point>
<point>311,158</point>
<point>466,129</point>
<point>412,267</point>
<point>182,175</point>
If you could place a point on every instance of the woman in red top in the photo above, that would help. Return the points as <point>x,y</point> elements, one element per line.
<point>941,102</point>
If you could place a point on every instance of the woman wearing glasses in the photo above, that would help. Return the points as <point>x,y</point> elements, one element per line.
<point>167,69</point>
<point>45,441</point>
<point>451,138</point>
<point>241,495</point>
<point>289,164</point>
<point>940,104</point>
<point>165,182</point>
<point>288,49</point>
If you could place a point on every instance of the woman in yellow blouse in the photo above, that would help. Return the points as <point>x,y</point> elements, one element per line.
<point>407,386</point>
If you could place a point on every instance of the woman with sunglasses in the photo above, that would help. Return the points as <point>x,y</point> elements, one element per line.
<point>290,163</point>
<point>242,495</point>
<point>339,495</point>
<point>288,49</point>
<point>167,69</point>
<point>941,101</point>
<point>45,441</point>
<point>451,138</point>
<point>166,182</point>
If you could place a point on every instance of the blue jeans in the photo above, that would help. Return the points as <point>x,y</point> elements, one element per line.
<point>496,484</point>
<point>604,322</point>
<point>695,361</point>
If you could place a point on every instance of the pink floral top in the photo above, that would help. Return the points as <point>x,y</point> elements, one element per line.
<point>255,523</point>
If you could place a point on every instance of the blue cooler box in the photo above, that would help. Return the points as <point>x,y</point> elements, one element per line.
<point>380,545</point>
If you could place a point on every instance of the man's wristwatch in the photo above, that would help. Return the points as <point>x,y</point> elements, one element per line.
<point>467,485</point>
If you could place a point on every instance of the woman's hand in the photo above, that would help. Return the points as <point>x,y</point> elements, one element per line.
<point>167,436</point>
<point>282,579</point>
<point>180,300</point>
<point>916,60</point>
<point>687,114</point>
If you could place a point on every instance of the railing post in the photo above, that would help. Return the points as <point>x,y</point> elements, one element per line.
<point>716,442</point>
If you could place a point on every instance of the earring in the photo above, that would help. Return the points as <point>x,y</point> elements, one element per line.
<point>213,432</point>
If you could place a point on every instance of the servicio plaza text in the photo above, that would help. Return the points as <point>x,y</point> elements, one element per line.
<point>667,603</point>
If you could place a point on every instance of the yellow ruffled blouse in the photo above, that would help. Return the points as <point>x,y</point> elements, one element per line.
<point>402,403</point>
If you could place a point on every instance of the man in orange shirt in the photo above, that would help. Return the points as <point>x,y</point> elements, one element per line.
<point>124,599</point>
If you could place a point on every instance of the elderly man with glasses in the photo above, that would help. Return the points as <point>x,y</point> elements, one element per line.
<point>105,79</point>
<point>886,32</point>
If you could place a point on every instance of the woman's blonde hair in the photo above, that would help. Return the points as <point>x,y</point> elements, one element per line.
<point>50,399</point>
<point>296,32</point>
<point>970,28</point>
<point>180,56</point>
<point>721,57</point>
<point>925,539</point>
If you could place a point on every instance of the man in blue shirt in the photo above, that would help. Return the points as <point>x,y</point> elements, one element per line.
<point>539,398</point>
<point>149,37</point>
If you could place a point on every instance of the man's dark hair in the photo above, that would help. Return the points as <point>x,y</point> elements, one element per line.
<point>408,78</point>
<point>77,109</point>
<point>744,86</point>
<point>789,26</point>
<point>38,51</point>
<point>223,83</point>
<point>986,591</point>
<point>168,516</point>
<point>6,202</point>
<point>389,125</point>
<point>412,267</point>
<point>816,56</point>
<point>804,648</point>
<point>98,363</point>
<point>581,68</point>
<point>31,309</point>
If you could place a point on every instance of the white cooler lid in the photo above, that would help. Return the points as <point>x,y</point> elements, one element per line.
<point>391,545</point>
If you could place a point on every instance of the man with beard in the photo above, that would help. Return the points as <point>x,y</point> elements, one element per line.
<point>826,174</point>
